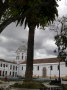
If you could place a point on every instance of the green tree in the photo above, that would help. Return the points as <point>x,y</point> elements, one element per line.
<point>3,7</point>
<point>35,13</point>
<point>61,42</point>
<point>61,39</point>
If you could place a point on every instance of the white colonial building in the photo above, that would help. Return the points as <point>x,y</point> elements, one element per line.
<point>8,69</point>
<point>41,67</point>
<point>45,68</point>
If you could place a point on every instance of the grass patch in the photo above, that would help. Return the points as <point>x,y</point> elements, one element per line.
<point>64,87</point>
<point>1,82</point>
<point>55,82</point>
<point>30,85</point>
<point>1,89</point>
<point>64,79</point>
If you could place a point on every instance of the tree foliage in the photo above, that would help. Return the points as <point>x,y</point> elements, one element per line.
<point>3,7</point>
<point>61,39</point>
<point>36,12</point>
<point>61,42</point>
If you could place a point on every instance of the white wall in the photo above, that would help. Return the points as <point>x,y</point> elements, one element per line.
<point>20,71</point>
<point>8,69</point>
<point>20,59</point>
<point>36,72</point>
<point>54,72</point>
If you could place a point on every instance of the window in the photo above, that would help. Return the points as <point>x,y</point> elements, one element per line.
<point>22,67</point>
<point>13,74</point>
<point>3,65</point>
<point>37,67</point>
<point>17,57</point>
<point>16,67</point>
<point>58,67</point>
<point>10,73</point>
<point>13,67</point>
<point>22,55</point>
<point>6,65</point>
<point>5,72</point>
<point>51,68</point>
<point>10,66</point>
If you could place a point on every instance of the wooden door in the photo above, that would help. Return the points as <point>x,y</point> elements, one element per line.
<point>44,71</point>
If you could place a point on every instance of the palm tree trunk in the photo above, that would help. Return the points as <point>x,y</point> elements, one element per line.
<point>30,54</point>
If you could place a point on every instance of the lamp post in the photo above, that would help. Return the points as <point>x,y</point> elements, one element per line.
<point>49,72</point>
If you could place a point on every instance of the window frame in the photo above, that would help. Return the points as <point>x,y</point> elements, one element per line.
<point>51,67</point>
<point>38,68</point>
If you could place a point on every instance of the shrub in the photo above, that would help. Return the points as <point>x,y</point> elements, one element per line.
<point>30,84</point>
<point>64,87</point>
<point>1,89</point>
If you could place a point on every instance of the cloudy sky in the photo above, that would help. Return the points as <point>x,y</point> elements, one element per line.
<point>13,37</point>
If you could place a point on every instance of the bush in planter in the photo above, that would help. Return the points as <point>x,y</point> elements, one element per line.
<point>1,89</point>
<point>64,87</point>
<point>29,84</point>
<point>55,82</point>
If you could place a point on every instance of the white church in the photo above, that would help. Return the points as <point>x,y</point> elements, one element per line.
<point>44,68</point>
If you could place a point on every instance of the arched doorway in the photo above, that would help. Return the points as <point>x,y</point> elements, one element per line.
<point>44,72</point>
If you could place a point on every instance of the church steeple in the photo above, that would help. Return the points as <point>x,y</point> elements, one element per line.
<point>21,54</point>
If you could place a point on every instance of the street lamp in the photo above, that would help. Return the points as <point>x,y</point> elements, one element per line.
<point>50,72</point>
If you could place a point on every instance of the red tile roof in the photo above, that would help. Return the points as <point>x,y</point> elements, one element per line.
<point>7,61</point>
<point>47,60</point>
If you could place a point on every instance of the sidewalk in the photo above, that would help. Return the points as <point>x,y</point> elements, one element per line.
<point>52,86</point>
<point>63,82</point>
<point>6,84</point>
<point>22,88</point>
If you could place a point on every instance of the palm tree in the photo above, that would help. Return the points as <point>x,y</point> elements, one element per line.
<point>35,13</point>
<point>3,7</point>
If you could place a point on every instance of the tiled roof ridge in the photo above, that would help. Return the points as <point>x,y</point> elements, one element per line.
<point>3,60</point>
<point>45,60</point>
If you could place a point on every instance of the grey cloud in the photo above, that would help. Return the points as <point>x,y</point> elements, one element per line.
<point>12,37</point>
